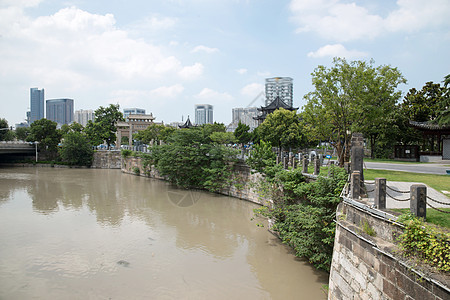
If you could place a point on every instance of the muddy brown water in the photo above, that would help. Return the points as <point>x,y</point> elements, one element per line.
<point>102,234</point>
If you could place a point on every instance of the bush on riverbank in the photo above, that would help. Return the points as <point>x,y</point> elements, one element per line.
<point>190,159</point>
<point>303,213</point>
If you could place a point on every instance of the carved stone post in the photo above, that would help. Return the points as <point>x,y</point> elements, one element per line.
<point>380,193</point>
<point>305,165</point>
<point>355,191</point>
<point>316,166</point>
<point>418,202</point>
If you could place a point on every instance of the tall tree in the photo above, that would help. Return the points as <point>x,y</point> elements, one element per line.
<point>46,134</point>
<point>242,133</point>
<point>22,133</point>
<point>282,129</point>
<point>5,132</point>
<point>76,149</point>
<point>350,96</point>
<point>105,122</point>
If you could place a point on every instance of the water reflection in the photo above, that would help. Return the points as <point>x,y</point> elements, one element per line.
<point>172,243</point>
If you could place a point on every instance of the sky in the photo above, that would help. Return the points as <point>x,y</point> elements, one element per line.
<point>166,56</point>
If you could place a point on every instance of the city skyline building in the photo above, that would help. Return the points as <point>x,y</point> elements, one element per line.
<point>36,105</point>
<point>203,114</point>
<point>60,110</point>
<point>133,111</point>
<point>281,87</point>
<point>244,115</point>
<point>82,116</point>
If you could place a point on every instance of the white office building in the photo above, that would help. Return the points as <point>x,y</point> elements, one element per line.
<point>203,114</point>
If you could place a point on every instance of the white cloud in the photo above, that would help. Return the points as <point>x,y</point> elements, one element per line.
<point>205,49</point>
<point>154,23</point>
<point>252,89</point>
<point>191,72</point>
<point>337,50</point>
<point>339,20</point>
<point>167,91</point>
<point>211,96</point>
<point>241,71</point>
<point>263,74</point>
<point>77,49</point>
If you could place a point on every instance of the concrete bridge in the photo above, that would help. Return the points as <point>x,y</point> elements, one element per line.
<point>17,148</point>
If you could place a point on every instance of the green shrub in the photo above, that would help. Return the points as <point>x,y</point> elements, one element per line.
<point>126,153</point>
<point>136,170</point>
<point>425,242</point>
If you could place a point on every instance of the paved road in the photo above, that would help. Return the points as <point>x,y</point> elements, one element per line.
<point>430,168</point>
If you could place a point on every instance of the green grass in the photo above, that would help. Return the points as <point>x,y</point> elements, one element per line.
<point>392,161</point>
<point>438,182</point>
<point>433,216</point>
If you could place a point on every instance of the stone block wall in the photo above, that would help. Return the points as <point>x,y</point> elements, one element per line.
<point>243,182</point>
<point>107,160</point>
<point>367,267</point>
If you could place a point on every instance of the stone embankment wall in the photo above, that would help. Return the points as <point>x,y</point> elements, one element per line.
<point>107,160</point>
<point>368,267</point>
<point>243,182</point>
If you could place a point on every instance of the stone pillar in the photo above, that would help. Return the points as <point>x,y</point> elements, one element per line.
<point>285,162</point>
<point>119,138</point>
<point>305,165</point>
<point>331,169</point>
<point>357,154</point>
<point>130,135</point>
<point>418,202</point>
<point>293,162</point>
<point>316,166</point>
<point>321,159</point>
<point>278,159</point>
<point>380,193</point>
<point>355,191</point>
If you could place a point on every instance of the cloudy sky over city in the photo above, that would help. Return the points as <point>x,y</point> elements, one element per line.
<point>166,56</point>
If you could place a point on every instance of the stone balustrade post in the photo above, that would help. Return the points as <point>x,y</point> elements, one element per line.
<point>285,162</point>
<point>294,163</point>
<point>355,188</point>
<point>278,159</point>
<point>316,166</point>
<point>380,193</point>
<point>418,202</point>
<point>305,165</point>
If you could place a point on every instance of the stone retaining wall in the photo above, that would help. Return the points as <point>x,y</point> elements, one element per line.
<point>243,182</point>
<point>367,267</point>
<point>107,160</point>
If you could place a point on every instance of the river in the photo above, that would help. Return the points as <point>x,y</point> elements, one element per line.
<point>101,234</point>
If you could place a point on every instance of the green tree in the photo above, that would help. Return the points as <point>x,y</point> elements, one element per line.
<point>282,129</point>
<point>425,105</point>
<point>222,138</point>
<point>350,96</point>
<point>93,133</point>
<point>6,133</point>
<point>261,157</point>
<point>22,133</point>
<point>151,133</point>
<point>76,149</point>
<point>105,123</point>
<point>46,134</point>
<point>242,134</point>
<point>190,160</point>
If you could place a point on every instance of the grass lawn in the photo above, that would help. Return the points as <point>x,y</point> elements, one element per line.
<point>438,182</point>
<point>433,216</point>
<point>392,161</point>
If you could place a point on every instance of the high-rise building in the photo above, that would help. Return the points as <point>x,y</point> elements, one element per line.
<point>203,114</point>
<point>82,116</point>
<point>133,111</point>
<point>279,87</point>
<point>60,110</point>
<point>36,104</point>
<point>245,116</point>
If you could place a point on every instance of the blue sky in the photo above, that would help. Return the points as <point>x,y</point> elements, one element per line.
<point>167,56</point>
